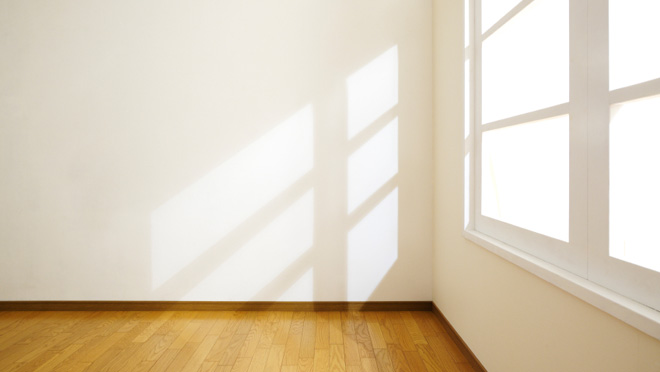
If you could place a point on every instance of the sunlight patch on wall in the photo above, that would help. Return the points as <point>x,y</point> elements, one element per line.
<point>301,290</point>
<point>372,91</point>
<point>263,258</point>
<point>373,164</point>
<point>373,248</point>
<point>197,218</point>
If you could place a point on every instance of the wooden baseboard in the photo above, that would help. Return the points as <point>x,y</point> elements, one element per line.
<point>469,355</point>
<point>212,306</point>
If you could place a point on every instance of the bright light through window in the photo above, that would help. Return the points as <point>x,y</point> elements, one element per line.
<point>493,10</point>
<point>635,182</point>
<point>525,63</point>
<point>634,34</point>
<point>524,177</point>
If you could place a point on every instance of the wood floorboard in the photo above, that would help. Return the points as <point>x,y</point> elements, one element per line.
<point>227,341</point>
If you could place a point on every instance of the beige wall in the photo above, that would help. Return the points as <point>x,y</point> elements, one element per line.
<point>511,319</point>
<point>215,150</point>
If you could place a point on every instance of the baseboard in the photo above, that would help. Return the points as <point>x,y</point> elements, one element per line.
<point>469,355</point>
<point>213,306</point>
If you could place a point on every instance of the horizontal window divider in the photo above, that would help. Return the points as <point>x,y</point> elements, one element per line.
<point>631,312</point>
<point>506,18</point>
<point>546,113</point>
<point>637,91</point>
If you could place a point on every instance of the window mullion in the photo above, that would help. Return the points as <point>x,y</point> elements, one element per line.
<point>578,133</point>
<point>478,43</point>
<point>598,122</point>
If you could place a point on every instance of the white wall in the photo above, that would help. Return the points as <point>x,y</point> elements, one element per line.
<point>215,150</point>
<point>511,319</point>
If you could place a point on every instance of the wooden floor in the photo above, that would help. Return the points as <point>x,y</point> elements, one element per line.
<point>226,342</point>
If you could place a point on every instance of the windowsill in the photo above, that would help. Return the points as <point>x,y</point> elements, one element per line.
<point>633,313</point>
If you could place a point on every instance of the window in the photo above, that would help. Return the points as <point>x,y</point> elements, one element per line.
<point>562,161</point>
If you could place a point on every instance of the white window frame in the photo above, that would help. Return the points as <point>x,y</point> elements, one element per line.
<point>582,266</point>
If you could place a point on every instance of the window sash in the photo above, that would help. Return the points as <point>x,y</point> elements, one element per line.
<point>587,252</point>
<point>635,282</point>
<point>571,256</point>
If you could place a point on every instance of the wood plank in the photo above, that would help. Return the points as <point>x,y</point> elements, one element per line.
<point>445,346</point>
<point>404,338</point>
<point>153,326</point>
<point>322,331</point>
<point>259,359</point>
<point>241,365</point>
<point>308,336</point>
<point>185,336</point>
<point>254,335</point>
<point>203,330</point>
<point>245,323</point>
<point>229,341</point>
<point>275,357</point>
<point>182,357</point>
<point>398,358</point>
<point>306,365</point>
<point>269,330</point>
<point>362,337</point>
<point>58,358</point>
<point>386,327</point>
<point>337,360</point>
<point>435,361</point>
<point>383,360</point>
<point>375,332</point>
<point>229,355</point>
<point>199,356</point>
<point>351,352</point>
<point>415,361</point>
<point>283,328</point>
<point>369,365</point>
<point>143,351</point>
<point>336,332</point>
<point>207,367</point>
<point>223,340</point>
<point>292,350</point>
<point>347,323</point>
<point>164,361</point>
<point>322,360</point>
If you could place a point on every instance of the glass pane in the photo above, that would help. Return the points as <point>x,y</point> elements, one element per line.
<point>493,10</point>
<point>524,176</point>
<point>525,63</point>
<point>635,182</point>
<point>634,34</point>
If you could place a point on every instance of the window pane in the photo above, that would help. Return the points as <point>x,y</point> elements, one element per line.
<point>525,63</point>
<point>635,182</point>
<point>524,176</point>
<point>634,34</point>
<point>493,10</point>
